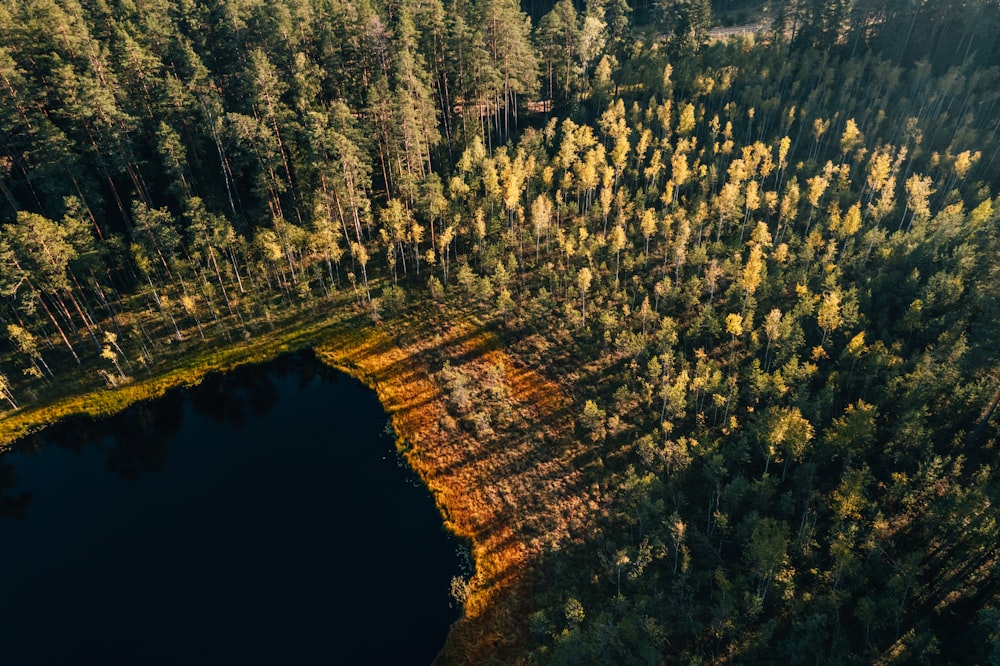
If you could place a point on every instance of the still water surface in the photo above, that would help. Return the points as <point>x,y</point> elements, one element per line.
<point>262,517</point>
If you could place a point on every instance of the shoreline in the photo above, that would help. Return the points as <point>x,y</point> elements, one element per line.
<point>398,359</point>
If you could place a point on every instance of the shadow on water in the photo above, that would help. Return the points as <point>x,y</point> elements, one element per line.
<point>261,517</point>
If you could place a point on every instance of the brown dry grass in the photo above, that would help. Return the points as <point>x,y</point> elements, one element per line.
<point>512,493</point>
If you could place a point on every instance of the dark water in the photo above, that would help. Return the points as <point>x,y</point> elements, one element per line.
<point>261,518</point>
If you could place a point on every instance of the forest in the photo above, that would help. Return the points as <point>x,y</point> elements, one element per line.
<point>762,269</point>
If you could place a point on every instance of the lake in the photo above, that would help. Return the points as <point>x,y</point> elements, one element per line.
<point>261,517</point>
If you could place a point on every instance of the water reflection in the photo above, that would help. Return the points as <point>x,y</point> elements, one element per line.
<point>11,505</point>
<point>237,522</point>
<point>137,439</point>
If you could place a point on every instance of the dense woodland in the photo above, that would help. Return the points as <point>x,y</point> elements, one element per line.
<point>766,269</point>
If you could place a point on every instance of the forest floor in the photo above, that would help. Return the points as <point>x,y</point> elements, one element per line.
<point>745,21</point>
<point>726,31</point>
